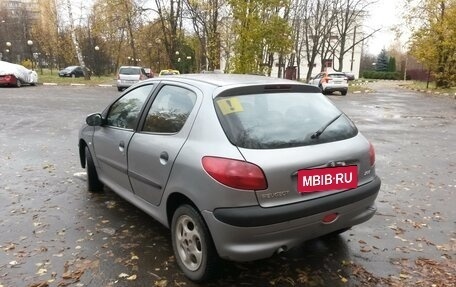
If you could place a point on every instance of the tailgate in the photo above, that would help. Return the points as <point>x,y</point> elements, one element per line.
<point>282,166</point>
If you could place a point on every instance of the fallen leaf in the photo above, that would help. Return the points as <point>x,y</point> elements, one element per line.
<point>132,277</point>
<point>161,283</point>
<point>123,275</point>
<point>41,272</point>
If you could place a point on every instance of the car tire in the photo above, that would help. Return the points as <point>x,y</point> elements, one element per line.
<point>93,182</point>
<point>18,83</point>
<point>192,244</point>
<point>344,93</point>
<point>119,89</point>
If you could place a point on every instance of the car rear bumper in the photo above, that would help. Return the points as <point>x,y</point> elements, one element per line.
<point>251,233</point>
<point>335,89</point>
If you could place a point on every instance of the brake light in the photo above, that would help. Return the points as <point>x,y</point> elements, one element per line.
<point>327,79</point>
<point>371,154</point>
<point>235,173</point>
<point>118,77</point>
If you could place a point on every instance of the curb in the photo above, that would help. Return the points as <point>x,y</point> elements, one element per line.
<point>79,85</point>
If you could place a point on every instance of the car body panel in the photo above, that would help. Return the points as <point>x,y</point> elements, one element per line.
<point>330,81</point>
<point>10,74</point>
<point>157,181</point>
<point>72,71</point>
<point>130,75</point>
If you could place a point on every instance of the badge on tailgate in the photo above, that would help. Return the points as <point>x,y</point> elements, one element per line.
<point>329,178</point>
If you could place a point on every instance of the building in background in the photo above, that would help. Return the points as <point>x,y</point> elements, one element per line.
<point>17,18</point>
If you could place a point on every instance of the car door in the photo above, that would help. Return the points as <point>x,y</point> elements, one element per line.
<point>111,139</point>
<point>154,148</point>
<point>315,80</point>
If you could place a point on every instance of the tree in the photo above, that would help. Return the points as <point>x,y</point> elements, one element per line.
<point>434,41</point>
<point>255,41</point>
<point>382,61</point>
<point>348,24</point>
<point>392,64</point>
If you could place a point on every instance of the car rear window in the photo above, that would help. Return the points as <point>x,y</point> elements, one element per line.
<point>280,120</point>
<point>339,76</point>
<point>129,71</point>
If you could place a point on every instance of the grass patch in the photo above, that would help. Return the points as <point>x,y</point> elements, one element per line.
<point>52,77</point>
<point>417,85</point>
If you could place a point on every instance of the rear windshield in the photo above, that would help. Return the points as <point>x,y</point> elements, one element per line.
<point>129,71</point>
<point>280,120</point>
<point>339,76</point>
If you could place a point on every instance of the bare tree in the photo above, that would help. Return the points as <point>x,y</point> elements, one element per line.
<point>170,16</point>
<point>348,25</point>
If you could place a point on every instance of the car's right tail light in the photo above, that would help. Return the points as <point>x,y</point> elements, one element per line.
<point>371,154</point>
<point>327,79</point>
<point>235,173</point>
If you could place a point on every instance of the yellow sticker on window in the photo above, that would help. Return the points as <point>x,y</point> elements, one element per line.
<point>230,105</point>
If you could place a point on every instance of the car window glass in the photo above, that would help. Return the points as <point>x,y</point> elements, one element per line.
<point>124,112</point>
<point>170,110</point>
<point>340,76</point>
<point>279,120</point>
<point>129,71</point>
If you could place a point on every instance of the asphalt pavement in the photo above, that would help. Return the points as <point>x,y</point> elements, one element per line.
<point>54,233</point>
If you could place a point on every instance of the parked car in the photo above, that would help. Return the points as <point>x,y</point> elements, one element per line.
<point>16,75</point>
<point>350,76</point>
<point>72,71</point>
<point>129,75</point>
<point>330,82</point>
<point>237,166</point>
<point>168,72</point>
<point>149,72</point>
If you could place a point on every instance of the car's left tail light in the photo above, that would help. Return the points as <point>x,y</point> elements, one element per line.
<point>235,173</point>
<point>371,154</point>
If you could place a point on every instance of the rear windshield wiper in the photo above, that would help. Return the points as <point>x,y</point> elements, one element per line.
<point>323,128</point>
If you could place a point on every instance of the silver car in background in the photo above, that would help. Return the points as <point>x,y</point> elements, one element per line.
<point>129,75</point>
<point>239,167</point>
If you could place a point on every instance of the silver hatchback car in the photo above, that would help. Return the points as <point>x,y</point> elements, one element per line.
<point>240,167</point>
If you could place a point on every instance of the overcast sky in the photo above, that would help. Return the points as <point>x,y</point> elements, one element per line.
<point>384,14</point>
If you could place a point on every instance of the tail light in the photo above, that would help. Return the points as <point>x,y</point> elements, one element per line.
<point>235,173</point>
<point>142,77</point>
<point>371,154</point>
<point>118,77</point>
<point>327,79</point>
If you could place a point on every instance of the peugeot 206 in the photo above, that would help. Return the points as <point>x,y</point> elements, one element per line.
<point>239,167</point>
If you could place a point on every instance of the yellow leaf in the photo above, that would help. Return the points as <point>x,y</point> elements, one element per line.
<point>132,277</point>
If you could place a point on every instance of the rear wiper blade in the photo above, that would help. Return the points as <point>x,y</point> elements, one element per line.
<point>323,128</point>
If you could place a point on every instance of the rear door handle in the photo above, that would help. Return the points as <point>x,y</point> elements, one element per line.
<point>122,146</point>
<point>164,157</point>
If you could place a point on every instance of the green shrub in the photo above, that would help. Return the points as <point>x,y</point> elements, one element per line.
<point>381,75</point>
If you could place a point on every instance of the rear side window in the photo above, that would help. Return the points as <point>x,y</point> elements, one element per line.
<point>280,120</point>
<point>170,110</point>
<point>337,76</point>
<point>129,71</point>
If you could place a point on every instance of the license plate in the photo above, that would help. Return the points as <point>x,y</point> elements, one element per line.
<point>326,179</point>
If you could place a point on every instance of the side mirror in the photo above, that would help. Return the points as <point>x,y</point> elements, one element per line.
<point>94,120</point>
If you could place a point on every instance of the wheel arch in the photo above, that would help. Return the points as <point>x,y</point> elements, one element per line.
<point>175,200</point>
<point>82,146</point>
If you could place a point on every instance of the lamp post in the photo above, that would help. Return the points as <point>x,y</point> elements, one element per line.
<point>189,63</point>
<point>30,44</point>
<point>157,48</point>
<point>8,50</point>
<point>97,55</point>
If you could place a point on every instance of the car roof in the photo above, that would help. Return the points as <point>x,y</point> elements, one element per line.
<point>222,80</point>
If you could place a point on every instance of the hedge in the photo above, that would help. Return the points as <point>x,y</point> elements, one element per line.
<point>382,75</point>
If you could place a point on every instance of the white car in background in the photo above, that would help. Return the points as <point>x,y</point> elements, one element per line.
<point>16,75</point>
<point>330,81</point>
